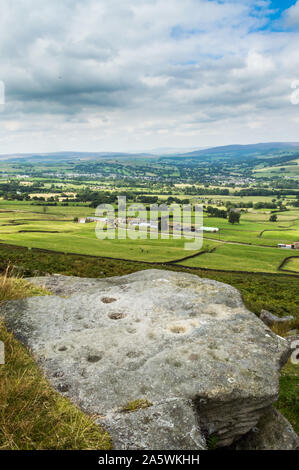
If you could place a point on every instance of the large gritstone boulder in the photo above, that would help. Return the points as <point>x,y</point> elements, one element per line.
<point>272,432</point>
<point>164,359</point>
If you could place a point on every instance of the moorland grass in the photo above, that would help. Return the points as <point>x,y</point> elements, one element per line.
<point>32,415</point>
<point>288,403</point>
<point>276,293</point>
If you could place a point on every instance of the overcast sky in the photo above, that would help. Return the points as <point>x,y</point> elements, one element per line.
<point>124,75</point>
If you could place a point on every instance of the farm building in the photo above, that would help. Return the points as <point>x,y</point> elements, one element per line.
<point>143,224</point>
<point>83,220</point>
<point>88,220</point>
<point>98,219</point>
<point>209,229</point>
<point>289,246</point>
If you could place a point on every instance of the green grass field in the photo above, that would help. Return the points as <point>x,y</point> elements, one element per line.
<point>292,265</point>
<point>239,258</point>
<point>253,248</point>
<point>270,171</point>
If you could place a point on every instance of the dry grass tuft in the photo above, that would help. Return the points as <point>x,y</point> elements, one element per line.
<point>135,405</point>
<point>32,414</point>
<point>282,329</point>
<point>12,288</point>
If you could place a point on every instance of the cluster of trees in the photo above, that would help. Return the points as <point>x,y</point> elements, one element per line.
<point>270,205</point>
<point>175,200</point>
<point>265,192</point>
<point>106,197</point>
<point>265,205</point>
<point>214,212</point>
<point>45,204</point>
<point>193,190</point>
<point>296,203</point>
<point>14,191</point>
<point>148,199</point>
<point>95,198</point>
<point>245,205</point>
<point>234,216</point>
<point>15,196</point>
<point>103,198</point>
<point>170,200</point>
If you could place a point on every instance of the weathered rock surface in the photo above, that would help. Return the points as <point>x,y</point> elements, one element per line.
<point>293,341</point>
<point>272,432</point>
<point>187,345</point>
<point>270,319</point>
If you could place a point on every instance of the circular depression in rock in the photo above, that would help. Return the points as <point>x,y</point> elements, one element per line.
<point>134,354</point>
<point>108,300</point>
<point>178,329</point>
<point>117,316</point>
<point>94,357</point>
<point>63,347</point>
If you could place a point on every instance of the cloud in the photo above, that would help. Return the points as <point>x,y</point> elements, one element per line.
<point>110,75</point>
<point>292,16</point>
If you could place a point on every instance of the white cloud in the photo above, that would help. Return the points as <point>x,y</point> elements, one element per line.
<point>11,125</point>
<point>105,75</point>
<point>155,81</point>
<point>292,15</point>
<point>258,63</point>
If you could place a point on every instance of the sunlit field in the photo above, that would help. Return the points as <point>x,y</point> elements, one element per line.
<point>250,245</point>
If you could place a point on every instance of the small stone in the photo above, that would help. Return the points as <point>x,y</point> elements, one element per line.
<point>63,388</point>
<point>269,319</point>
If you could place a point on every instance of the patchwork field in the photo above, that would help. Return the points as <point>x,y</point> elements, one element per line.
<point>290,170</point>
<point>250,245</point>
<point>239,258</point>
<point>292,264</point>
<point>254,232</point>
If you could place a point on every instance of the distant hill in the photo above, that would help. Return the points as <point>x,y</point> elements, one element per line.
<point>227,151</point>
<point>240,150</point>
<point>66,156</point>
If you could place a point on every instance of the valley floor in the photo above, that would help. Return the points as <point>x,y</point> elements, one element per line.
<point>249,246</point>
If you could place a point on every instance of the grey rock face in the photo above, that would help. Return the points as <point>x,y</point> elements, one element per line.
<point>171,424</point>
<point>293,340</point>
<point>187,345</point>
<point>269,319</point>
<point>272,432</point>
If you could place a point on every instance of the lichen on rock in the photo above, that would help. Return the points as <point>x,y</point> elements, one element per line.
<point>186,345</point>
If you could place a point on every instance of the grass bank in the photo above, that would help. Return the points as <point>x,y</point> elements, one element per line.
<point>278,293</point>
<point>60,419</point>
<point>32,415</point>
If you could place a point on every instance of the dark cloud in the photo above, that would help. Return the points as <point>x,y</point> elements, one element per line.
<point>138,74</point>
